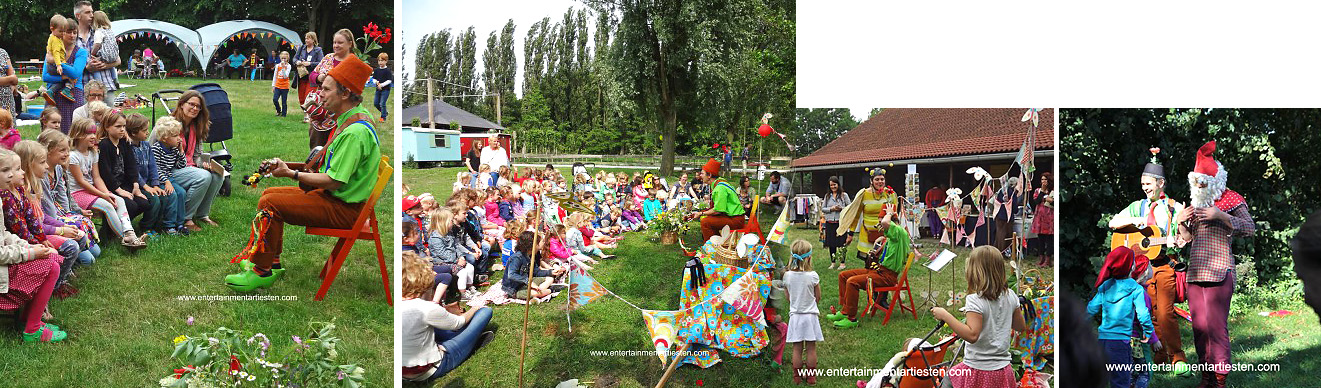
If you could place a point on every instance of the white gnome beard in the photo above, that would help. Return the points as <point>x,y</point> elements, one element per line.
<point>1215,186</point>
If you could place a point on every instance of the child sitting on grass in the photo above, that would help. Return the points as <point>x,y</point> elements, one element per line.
<point>515,282</point>
<point>117,165</point>
<point>435,341</point>
<point>50,119</point>
<point>558,247</point>
<point>633,216</point>
<point>512,231</point>
<point>89,191</point>
<point>804,289</point>
<point>462,180</point>
<point>410,234</point>
<point>992,312</point>
<point>57,196</point>
<point>166,138</point>
<point>24,218</point>
<point>446,243</point>
<point>29,271</point>
<point>164,203</point>
<point>577,242</point>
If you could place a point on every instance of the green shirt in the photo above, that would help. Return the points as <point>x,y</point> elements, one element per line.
<point>896,249</point>
<point>353,158</point>
<point>725,200</point>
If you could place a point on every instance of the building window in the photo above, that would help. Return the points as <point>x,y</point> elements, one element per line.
<point>441,141</point>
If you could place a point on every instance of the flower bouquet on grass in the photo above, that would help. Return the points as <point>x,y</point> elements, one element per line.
<point>670,223</point>
<point>230,358</point>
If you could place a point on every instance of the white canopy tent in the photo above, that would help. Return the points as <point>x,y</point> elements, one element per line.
<point>186,40</point>
<point>268,34</point>
<point>205,42</point>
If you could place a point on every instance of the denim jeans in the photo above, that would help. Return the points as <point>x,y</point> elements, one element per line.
<point>382,97</point>
<point>281,100</point>
<point>174,207</point>
<point>459,344</point>
<point>1118,352</point>
<point>88,255</point>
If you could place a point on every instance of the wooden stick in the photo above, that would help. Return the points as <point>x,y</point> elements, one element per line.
<point>674,364</point>
<point>527,307</point>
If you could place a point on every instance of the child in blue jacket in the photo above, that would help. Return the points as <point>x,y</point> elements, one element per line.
<point>1120,299</point>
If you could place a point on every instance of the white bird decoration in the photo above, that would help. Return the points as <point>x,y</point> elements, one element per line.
<point>980,174</point>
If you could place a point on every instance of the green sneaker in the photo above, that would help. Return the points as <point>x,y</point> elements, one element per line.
<point>1181,369</point>
<point>835,316</point>
<point>247,265</point>
<point>248,281</point>
<point>56,335</point>
<point>846,323</point>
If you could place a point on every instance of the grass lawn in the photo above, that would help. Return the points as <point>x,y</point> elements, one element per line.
<point>1291,342</point>
<point>121,324</point>
<point>648,274</point>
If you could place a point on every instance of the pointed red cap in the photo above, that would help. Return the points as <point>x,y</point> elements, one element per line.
<point>1206,164</point>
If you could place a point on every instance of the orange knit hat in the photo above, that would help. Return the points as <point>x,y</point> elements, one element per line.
<point>352,74</point>
<point>712,167</point>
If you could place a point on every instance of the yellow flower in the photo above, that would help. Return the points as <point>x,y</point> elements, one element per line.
<point>179,339</point>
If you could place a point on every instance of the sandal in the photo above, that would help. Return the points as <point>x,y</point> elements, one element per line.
<point>210,222</point>
<point>45,334</point>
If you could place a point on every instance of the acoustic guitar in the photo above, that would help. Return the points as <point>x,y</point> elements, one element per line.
<point>1146,241</point>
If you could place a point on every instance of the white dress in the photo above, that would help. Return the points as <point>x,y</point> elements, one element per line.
<point>804,317</point>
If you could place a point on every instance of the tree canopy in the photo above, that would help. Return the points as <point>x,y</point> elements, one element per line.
<point>619,77</point>
<point>1269,155</point>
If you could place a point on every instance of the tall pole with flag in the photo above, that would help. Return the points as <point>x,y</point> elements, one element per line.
<point>1026,168</point>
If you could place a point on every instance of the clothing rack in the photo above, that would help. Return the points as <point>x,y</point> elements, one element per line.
<point>804,208</point>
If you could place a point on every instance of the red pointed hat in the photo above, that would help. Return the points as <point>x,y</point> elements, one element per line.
<point>712,167</point>
<point>1118,265</point>
<point>1206,164</point>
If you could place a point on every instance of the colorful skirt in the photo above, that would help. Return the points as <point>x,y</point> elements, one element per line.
<point>965,376</point>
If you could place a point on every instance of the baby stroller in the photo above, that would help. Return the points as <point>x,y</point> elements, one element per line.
<point>920,365</point>
<point>222,123</point>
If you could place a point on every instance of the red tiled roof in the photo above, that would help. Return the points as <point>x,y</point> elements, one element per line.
<point>896,134</point>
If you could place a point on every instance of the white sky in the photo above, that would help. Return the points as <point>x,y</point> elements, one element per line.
<point>420,17</point>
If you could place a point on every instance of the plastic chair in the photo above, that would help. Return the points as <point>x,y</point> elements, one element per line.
<point>900,286</point>
<point>365,228</point>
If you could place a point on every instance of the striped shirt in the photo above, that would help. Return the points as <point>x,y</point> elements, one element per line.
<point>1211,247</point>
<point>168,159</point>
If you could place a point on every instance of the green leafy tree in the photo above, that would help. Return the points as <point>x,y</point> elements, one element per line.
<point>1269,155</point>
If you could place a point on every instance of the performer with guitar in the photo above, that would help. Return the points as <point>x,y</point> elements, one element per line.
<point>332,187</point>
<point>1144,226</point>
<point>1216,217</point>
<point>726,209</point>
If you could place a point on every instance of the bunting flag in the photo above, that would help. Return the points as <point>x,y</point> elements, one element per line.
<point>583,289</point>
<point>780,230</point>
<point>1031,114</point>
<point>660,324</point>
<point>944,237</point>
<point>744,296</point>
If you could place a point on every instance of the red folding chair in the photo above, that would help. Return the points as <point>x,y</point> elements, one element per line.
<point>365,228</point>
<point>895,301</point>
